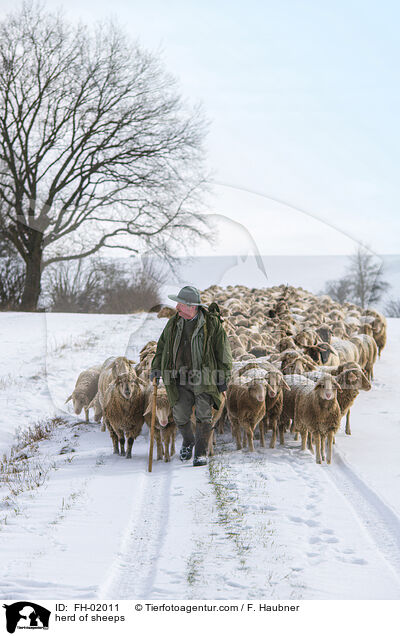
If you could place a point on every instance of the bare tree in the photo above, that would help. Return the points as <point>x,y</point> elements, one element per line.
<point>392,308</point>
<point>365,274</point>
<point>363,282</point>
<point>339,290</point>
<point>97,149</point>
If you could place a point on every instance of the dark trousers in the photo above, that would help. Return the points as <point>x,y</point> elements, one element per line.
<point>182,412</point>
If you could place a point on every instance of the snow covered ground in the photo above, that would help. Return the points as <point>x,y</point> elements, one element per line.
<point>272,524</point>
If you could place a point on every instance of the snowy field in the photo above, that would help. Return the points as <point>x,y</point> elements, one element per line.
<point>269,524</point>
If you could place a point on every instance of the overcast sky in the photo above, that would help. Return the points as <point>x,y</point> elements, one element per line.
<point>303,98</point>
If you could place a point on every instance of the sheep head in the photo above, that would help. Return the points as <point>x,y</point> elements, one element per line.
<point>275,382</point>
<point>354,378</point>
<point>327,387</point>
<point>79,400</point>
<point>124,377</point>
<point>163,408</point>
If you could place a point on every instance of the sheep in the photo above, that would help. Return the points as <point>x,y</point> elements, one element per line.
<point>286,342</point>
<point>379,327</point>
<point>351,382</point>
<point>165,427</point>
<point>325,333</point>
<point>351,379</point>
<point>275,382</point>
<point>323,353</point>
<point>346,350</point>
<point>293,381</point>
<point>146,356</point>
<point>317,412</point>
<point>291,356</point>
<point>85,390</point>
<point>245,401</point>
<point>367,353</point>
<point>98,411</point>
<point>166,312</point>
<point>121,397</point>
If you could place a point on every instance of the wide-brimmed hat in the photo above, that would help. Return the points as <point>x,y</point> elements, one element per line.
<point>188,295</point>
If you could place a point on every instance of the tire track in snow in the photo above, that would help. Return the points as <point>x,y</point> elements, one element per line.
<point>380,521</point>
<point>134,570</point>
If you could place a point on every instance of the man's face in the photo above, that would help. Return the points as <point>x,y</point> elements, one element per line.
<point>186,311</point>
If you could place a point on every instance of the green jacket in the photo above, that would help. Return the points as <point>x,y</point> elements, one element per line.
<point>211,355</point>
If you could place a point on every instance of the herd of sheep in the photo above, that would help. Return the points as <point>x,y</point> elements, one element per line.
<point>299,362</point>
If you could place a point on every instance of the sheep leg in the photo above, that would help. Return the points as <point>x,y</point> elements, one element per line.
<point>122,444</point>
<point>86,413</point>
<point>304,436</point>
<point>348,431</point>
<point>273,435</point>
<point>329,447</point>
<point>165,439</point>
<point>250,439</point>
<point>282,428</point>
<point>318,458</point>
<point>310,442</point>
<point>323,439</point>
<point>244,441</point>
<point>236,434</point>
<point>173,443</point>
<point>160,450</point>
<point>261,427</point>
<point>114,439</point>
<point>129,445</point>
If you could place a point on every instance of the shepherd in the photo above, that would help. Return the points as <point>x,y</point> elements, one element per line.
<point>194,359</point>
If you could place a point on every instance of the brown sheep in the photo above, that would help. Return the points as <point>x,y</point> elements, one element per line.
<point>166,312</point>
<point>367,353</point>
<point>351,379</point>
<point>245,401</point>
<point>317,412</point>
<point>165,427</point>
<point>121,396</point>
<point>275,382</point>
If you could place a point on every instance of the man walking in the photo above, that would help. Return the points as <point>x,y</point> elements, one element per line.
<point>194,358</point>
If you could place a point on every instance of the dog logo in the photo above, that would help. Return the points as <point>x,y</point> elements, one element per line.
<point>26,615</point>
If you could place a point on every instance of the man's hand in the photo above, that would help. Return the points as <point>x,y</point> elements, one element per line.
<point>224,394</point>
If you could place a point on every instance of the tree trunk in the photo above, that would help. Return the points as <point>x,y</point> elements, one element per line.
<point>30,296</point>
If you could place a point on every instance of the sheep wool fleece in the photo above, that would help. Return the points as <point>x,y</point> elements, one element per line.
<point>210,352</point>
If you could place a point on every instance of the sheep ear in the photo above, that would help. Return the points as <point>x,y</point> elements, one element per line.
<point>114,371</point>
<point>148,410</point>
<point>285,384</point>
<point>336,385</point>
<point>365,383</point>
<point>68,399</point>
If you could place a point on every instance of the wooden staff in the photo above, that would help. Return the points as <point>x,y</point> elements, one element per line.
<point>153,422</point>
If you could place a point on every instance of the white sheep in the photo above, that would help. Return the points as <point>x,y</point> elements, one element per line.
<point>85,390</point>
